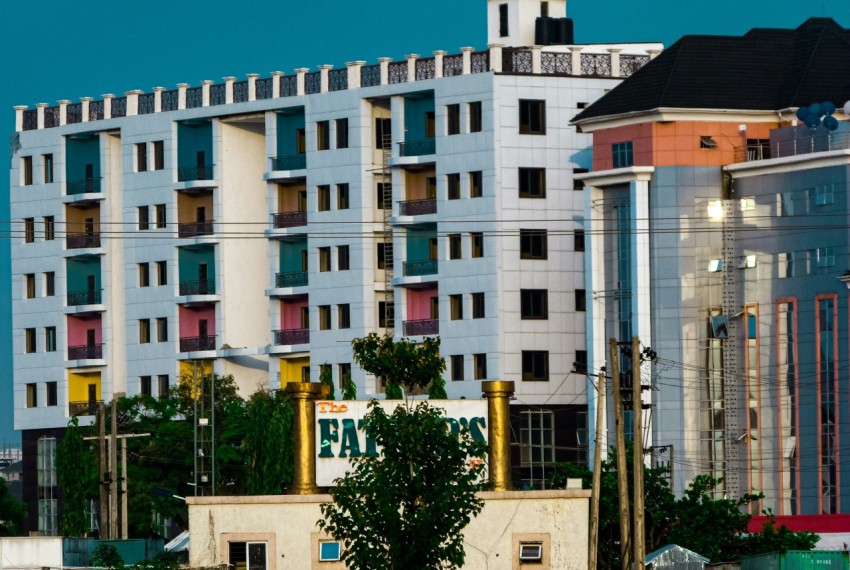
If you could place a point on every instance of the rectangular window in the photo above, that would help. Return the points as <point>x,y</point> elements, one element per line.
<point>341,133</point>
<point>324,259</point>
<point>342,197</point>
<point>161,273</point>
<point>141,157</point>
<point>162,380</point>
<point>47,164</point>
<point>454,246</point>
<point>144,218</point>
<point>160,215</point>
<point>535,365</point>
<point>29,230</point>
<point>477,242</point>
<point>453,186</point>
<point>323,135</point>
<point>145,386</point>
<point>330,550</point>
<point>578,185</point>
<point>532,117</point>
<point>479,363</point>
<point>158,155</point>
<point>324,196</point>
<point>537,452</point>
<point>475,122</point>
<point>342,258</point>
<point>50,339</point>
<point>52,393</point>
<point>383,196</point>
<point>29,340</point>
<point>533,244</point>
<point>324,317</point>
<point>581,300</point>
<point>26,170</point>
<point>456,307</point>
<point>29,285</point>
<point>623,154</point>
<point>453,119</point>
<point>503,20</point>
<point>343,316</point>
<point>578,240</point>
<point>162,329</point>
<point>49,284</point>
<point>457,367</point>
<point>384,255</point>
<point>144,331</point>
<point>476,188</point>
<point>534,303</point>
<point>144,275</point>
<point>580,363</point>
<point>383,133</point>
<point>532,182</point>
<point>344,371</point>
<point>49,228</point>
<point>32,395</point>
<point>478,305</point>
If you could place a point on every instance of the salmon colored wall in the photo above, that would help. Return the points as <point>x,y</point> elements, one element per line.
<point>419,303</point>
<point>677,143</point>
<point>290,313</point>
<point>78,328</point>
<point>189,318</point>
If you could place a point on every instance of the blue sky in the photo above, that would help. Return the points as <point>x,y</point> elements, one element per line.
<point>53,49</point>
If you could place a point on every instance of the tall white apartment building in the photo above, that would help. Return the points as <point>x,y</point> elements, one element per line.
<point>256,227</point>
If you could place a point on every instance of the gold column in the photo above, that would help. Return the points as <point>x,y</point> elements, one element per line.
<point>498,394</point>
<point>304,395</point>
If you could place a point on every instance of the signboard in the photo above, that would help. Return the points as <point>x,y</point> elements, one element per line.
<point>340,431</point>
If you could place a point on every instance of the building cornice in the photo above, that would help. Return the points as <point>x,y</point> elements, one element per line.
<point>617,176</point>
<point>787,164</point>
<point>669,115</point>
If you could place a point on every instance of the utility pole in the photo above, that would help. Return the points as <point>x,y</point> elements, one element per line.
<point>597,472</point>
<point>637,457</point>
<point>102,473</point>
<point>622,474</point>
<point>113,470</point>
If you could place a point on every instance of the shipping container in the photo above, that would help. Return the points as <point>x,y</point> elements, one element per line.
<point>798,560</point>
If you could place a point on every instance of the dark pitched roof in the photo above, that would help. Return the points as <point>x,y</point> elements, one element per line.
<point>765,69</point>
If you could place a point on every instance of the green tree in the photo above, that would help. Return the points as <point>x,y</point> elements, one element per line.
<point>782,539</point>
<point>77,475</point>
<point>268,446</point>
<point>326,378</point>
<point>106,555</point>
<point>349,388</point>
<point>13,513</point>
<point>407,508</point>
<point>402,363</point>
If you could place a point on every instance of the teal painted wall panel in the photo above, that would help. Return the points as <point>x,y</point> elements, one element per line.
<point>290,255</point>
<point>418,242</point>
<point>287,129</point>
<point>188,262</point>
<point>192,139</point>
<point>79,270</point>
<point>414,117</point>
<point>79,153</point>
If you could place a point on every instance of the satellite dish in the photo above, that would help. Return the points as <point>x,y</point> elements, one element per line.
<point>827,108</point>
<point>803,112</point>
<point>847,108</point>
<point>830,122</point>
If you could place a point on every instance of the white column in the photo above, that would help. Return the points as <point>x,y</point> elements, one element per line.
<point>575,53</point>
<point>157,99</point>
<point>252,86</point>
<point>276,84</point>
<point>496,57</point>
<point>40,111</point>
<point>133,101</point>
<point>384,62</point>
<point>466,52</point>
<point>205,92</point>
<point>323,77</point>
<point>299,80</point>
<point>438,62</point>
<point>63,111</point>
<point>228,89</point>
<point>615,61</point>
<point>411,66</point>
<point>19,117</point>
<point>653,53</point>
<point>354,73</point>
<point>640,269</point>
<point>536,66</point>
<point>181,95</point>
<point>107,105</point>
<point>85,103</point>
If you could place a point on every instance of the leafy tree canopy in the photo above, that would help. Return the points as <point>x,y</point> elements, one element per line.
<point>407,508</point>
<point>402,363</point>
<point>12,512</point>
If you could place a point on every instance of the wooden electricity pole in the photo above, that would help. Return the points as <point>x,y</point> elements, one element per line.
<point>102,473</point>
<point>637,457</point>
<point>622,474</point>
<point>597,472</point>
<point>113,471</point>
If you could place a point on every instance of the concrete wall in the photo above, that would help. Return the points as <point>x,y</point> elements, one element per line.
<point>31,552</point>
